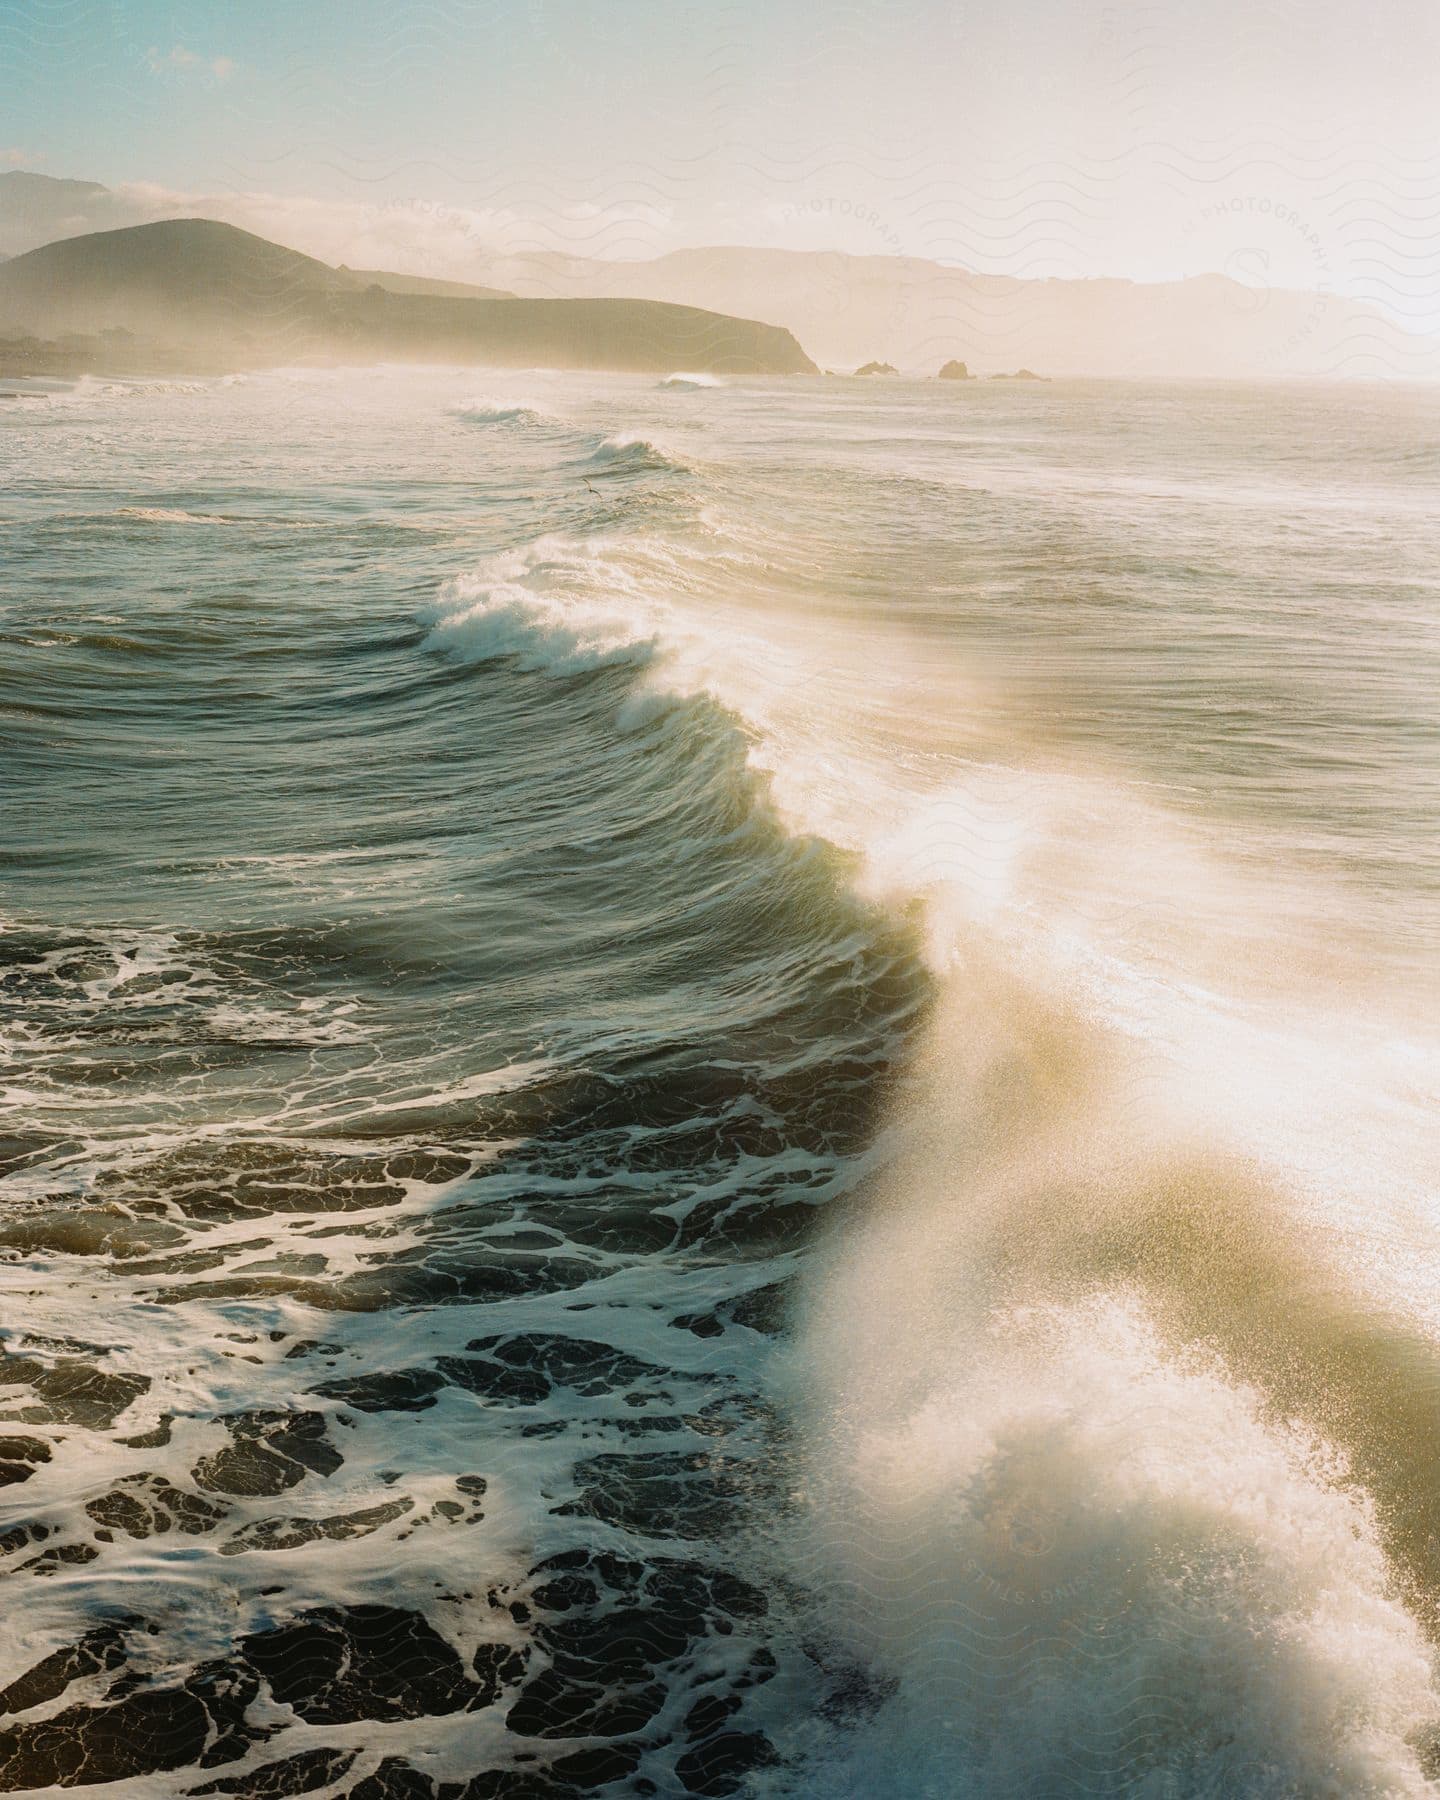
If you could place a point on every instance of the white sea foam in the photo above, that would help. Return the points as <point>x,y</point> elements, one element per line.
<point>568,604</point>
<point>1062,1528</point>
<point>630,450</point>
<point>504,412</point>
<point>172,515</point>
<point>1091,1386</point>
<point>1088,1560</point>
<point>1079,1545</point>
<point>547,608</point>
<point>180,515</point>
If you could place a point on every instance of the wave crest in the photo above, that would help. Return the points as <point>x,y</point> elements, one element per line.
<point>503,412</point>
<point>1084,1548</point>
<point>547,607</point>
<point>172,515</point>
<point>629,451</point>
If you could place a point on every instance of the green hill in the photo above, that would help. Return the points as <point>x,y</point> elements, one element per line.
<point>199,290</point>
<point>426,284</point>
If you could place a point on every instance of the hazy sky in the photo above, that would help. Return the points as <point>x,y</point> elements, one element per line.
<point>1292,144</point>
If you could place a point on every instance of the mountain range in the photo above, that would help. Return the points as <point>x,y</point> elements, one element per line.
<point>918,315</point>
<point>845,310</point>
<point>198,293</point>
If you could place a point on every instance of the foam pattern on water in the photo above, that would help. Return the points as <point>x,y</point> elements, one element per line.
<point>650,1147</point>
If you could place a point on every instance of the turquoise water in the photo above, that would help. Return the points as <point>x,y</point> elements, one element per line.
<point>719,1088</point>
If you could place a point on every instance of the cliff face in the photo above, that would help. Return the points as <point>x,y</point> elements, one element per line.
<point>200,287</point>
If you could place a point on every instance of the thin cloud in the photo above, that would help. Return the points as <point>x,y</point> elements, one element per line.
<point>180,60</point>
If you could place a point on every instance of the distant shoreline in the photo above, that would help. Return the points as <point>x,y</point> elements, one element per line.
<point>42,360</point>
<point>23,359</point>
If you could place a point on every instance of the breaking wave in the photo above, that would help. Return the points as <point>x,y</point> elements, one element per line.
<point>505,412</point>
<point>1064,1492</point>
<point>627,452</point>
<point>684,1198</point>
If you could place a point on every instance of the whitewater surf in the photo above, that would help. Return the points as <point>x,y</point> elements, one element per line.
<point>719,1088</point>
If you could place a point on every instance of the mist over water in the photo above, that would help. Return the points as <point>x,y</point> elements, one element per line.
<point>740,1072</point>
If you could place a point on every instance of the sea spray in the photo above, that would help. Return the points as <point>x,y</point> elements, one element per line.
<point>721,1116</point>
<point>1066,1550</point>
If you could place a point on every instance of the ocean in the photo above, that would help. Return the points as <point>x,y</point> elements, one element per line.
<point>719,1087</point>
